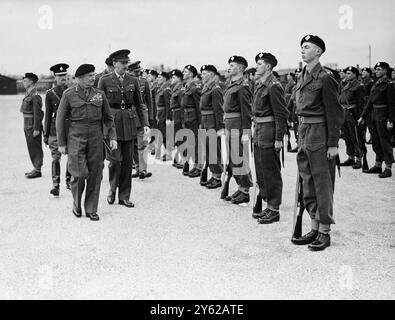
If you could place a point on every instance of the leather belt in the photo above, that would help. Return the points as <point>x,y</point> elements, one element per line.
<point>379,106</point>
<point>312,119</point>
<point>351,106</point>
<point>232,115</point>
<point>207,112</point>
<point>119,106</point>
<point>263,119</point>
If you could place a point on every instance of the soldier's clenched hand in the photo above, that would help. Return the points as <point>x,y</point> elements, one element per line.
<point>62,149</point>
<point>332,153</point>
<point>113,144</point>
<point>36,133</point>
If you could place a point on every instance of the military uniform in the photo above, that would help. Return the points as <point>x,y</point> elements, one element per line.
<point>381,103</point>
<point>129,114</point>
<point>52,100</point>
<point>270,120</point>
<point>175,110</point>
<point>320,119</point>
<point>191,116</point>
<point>238,119</point>
<point>86,114</point>
<point>352,100</point>
<point>31,109</point>
<point>212,121</point>
<point>368,84</point>
<point>162,99</point>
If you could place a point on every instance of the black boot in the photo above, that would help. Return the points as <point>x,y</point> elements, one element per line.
<point>55,178</point>
<point>185,170</point>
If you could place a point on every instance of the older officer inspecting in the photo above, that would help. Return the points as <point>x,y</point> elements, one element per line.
<point>52,100</point>
<point>32,124</point>
<point>190,115</point>
<point>211,102</point>
<point>382,102</point>
<point>352,100</point>
<point>238,119</point>
<point>86,108</point>
<point>320,119</point>
<point>270,121</point>
<point>123,94</point>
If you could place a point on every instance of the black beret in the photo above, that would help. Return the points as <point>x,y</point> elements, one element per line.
<point>267,57</point>
<point>314,39</point>
<point>109,62</point>
<point>192,69</point>
<point>298,70</point>
<point>209,67</point>
<point>250,71</point>
<point>177,73</point>
<point>31,76</point>
<point>368,70</point>
<point>353,70</point>
<point>59,69</point>
<point>164,74</point>
<point>238,59</point>
<point>120,55</point>
<point>134,65</point>
<point>153,73</point>
<point>84,69</point>
<point>384,65</point>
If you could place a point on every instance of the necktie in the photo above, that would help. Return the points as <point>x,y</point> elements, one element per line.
<point>120,79</point>
<point>86,91</point>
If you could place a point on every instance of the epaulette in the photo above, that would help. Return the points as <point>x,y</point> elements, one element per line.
<point>106,75</point>
<point>69,89</point>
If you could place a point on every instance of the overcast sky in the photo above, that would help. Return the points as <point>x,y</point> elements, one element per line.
<point>179,32</point>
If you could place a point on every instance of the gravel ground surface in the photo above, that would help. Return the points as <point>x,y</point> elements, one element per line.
<point>181,241</point>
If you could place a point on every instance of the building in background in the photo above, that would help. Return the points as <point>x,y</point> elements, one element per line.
<point>7,85</point>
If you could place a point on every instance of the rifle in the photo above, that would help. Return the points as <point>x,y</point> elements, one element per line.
<point>289,146</point>
<point>203,177</point>
<point>363,149</point>
<point>257,199</point>
<point>227,175</point>
<point>298,214</point>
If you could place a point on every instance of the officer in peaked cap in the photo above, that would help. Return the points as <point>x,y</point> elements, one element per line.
<point>352,101</point>
<point>123,94</point>
<point>139,156</point>
<point>52,100</point>
<point>32,119</point>
<point>382,103</point>
<point>238,119</point>
<point>87,109</point>
<point>320,119</point>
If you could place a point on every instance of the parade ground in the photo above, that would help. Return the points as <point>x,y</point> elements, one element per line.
<point>181,241</point>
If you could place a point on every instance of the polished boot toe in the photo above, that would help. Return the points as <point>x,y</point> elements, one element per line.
<point>386,173</point>
<point>241,198</point>
<point>257,215</point>
<point>111,198</point>
<point>214,184</point>
<point>55,191</point>
<point>77,212</point>
<point>270,217</point>
<point>92,216</point>
<point>230,198</point>
<point>34,174</point>
<point>374,170</point>
<point>321,242</point>
<point>195,173</point>
<point>306,239</point>
<point>126,203</point>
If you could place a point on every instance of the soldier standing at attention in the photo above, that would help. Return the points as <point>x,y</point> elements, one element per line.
<point>320,119</point>
<point>190,115</point>
<point>86,108</point>
<point>367,82</point>
<point>352,101</point>
<point>138,155</point>
<point>238,119</point>
<point>109,69</point>
<point>211,102</point>
<point>382,102</point>
<point>52,100</point>
<point>270,121</point>
<point>123,94</point>
<point>32,124</point>
<point>175,113</point>
<point>162,102</point>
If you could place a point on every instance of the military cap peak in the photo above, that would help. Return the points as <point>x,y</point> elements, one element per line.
<point>120,55</point>
<point>59,69</point>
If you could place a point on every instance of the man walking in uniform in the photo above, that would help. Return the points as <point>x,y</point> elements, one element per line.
<point>382,104</point>
<point>86,108</point>
<point>123,94</point>
<point>32,123</point>
<point>320,119</point>
<point>211,102</point>
<point>270,120</point>
<point>52,100</point>
<point>238,119</point>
